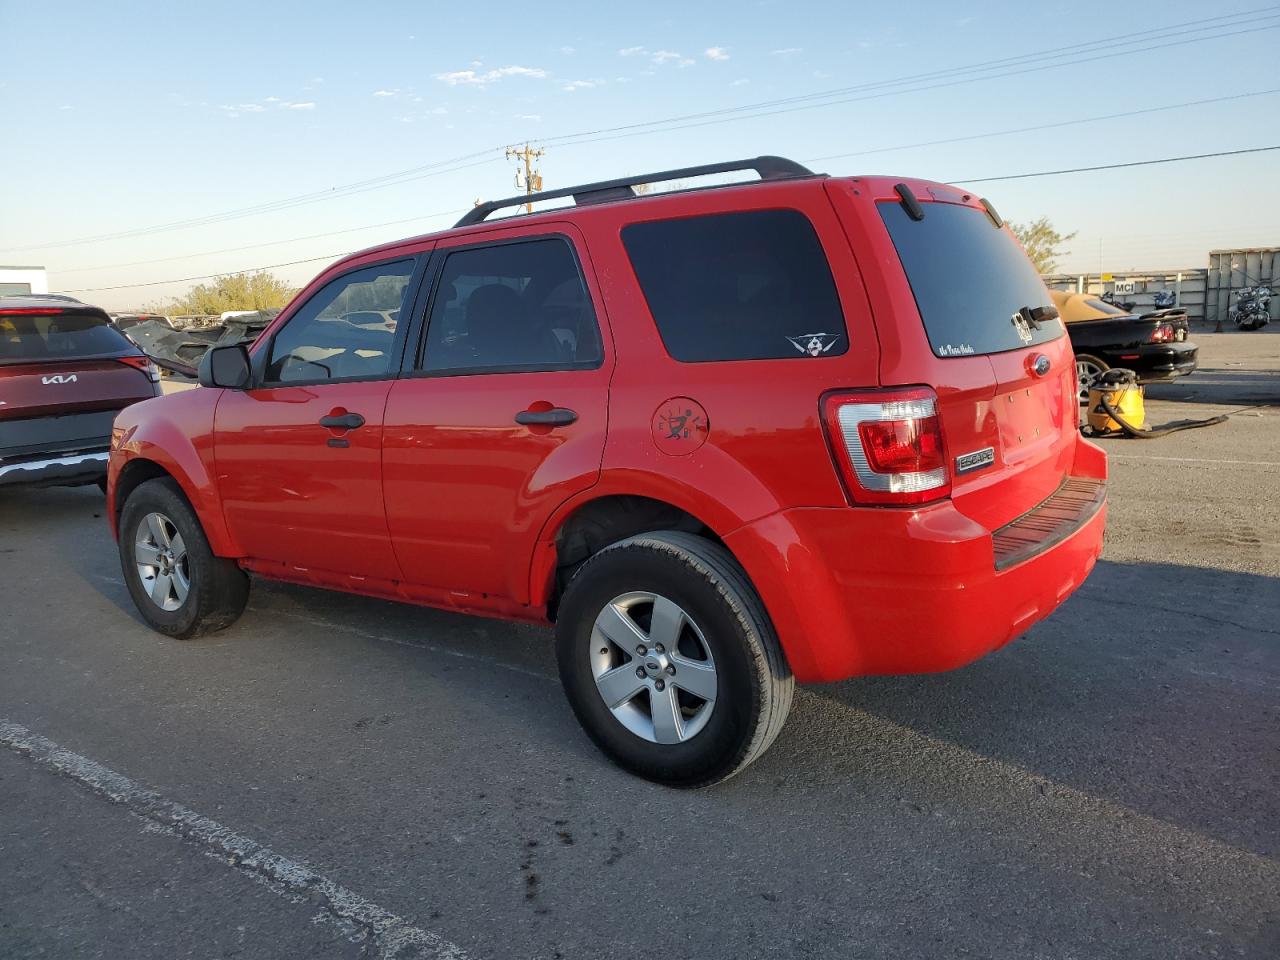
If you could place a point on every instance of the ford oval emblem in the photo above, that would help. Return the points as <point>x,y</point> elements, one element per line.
<point>1040,365</point>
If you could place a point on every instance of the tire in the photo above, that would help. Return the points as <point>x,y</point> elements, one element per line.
<point>722,627</point>
<point>158,524</point>
<point>1088,369</point>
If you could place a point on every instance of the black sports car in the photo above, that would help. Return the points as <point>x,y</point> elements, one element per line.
<point>1103,335</point>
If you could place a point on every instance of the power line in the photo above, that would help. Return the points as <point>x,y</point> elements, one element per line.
<point>1045,126</point>
<point>206,276</point>
<point>1138,37</point>
<point>891,93</point>
<point>1016,176</point>
<point>802,102</point>
<point>269,243</point>
<point>1117,166</point>
<point>907,146</point>
<point>376,183</point>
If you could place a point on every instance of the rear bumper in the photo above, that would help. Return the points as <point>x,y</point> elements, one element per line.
<point>68,469</point>
<point>1158,361</point>
<point>856,591</point>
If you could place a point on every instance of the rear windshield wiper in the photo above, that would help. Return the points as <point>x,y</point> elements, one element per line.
<point>1034,316</point>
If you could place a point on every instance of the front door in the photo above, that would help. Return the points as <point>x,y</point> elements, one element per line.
<point>503,418</point>
<point>299,456</point>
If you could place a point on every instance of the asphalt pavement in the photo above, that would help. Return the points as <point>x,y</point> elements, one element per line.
<point>341,777</point>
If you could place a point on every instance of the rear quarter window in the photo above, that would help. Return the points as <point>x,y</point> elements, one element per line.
<point>752,285</point>
<point>58,336</point>
<point>969,278</point>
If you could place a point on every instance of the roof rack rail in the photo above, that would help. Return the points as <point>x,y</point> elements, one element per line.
<point>769,168</point>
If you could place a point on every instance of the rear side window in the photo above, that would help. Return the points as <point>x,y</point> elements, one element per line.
<point>510,307</point>
<point>753,285</point>
<point>969,279</point>
<point>58,336</point>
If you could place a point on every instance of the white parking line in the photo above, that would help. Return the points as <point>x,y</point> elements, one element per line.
<point>388,935</point>
<point>1247,463</point>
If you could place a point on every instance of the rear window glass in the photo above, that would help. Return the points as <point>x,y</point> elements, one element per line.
<point>1105,307</point>
<point>969,279</point>
<point>57,336</point>
<point>753,285</point>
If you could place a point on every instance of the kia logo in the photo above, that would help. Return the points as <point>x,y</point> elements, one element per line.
<point>1040,365</point>
<point>59,378</point>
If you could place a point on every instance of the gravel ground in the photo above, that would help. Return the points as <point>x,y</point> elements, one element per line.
<point>339,777</point>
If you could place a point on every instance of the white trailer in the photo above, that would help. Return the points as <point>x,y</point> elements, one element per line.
<point>19,280</point>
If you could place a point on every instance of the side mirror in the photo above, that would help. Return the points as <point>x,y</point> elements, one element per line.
<point>226,367</point>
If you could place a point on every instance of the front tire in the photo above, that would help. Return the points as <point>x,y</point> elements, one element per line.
<point>178,585</point>
<point>670,661</point>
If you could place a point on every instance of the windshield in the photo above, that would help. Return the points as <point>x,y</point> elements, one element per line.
<point>57,336</point>
<point>969,279</point>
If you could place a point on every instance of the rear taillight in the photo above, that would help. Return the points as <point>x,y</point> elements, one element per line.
<point>1163,333</point>
<point>888,445</point>
<point>145,365</point>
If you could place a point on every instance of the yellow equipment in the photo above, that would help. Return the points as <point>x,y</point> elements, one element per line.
<point>1115,396</point>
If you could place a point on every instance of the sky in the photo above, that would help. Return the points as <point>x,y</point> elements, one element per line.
<point>148,143</point>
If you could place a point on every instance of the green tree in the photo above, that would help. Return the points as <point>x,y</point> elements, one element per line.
<point>236,291</point>
<point>1042,242</point>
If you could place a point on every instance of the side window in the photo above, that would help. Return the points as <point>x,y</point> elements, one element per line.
<point>512,306</point>
<point>753,285</point>
<point>346,331</point>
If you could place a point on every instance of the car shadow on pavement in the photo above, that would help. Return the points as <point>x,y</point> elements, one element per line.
<point>1156,687</point>
<point>1220,385</point>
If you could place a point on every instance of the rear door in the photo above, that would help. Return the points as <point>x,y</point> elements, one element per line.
<point>64,374</point>
<point>503,415</point>
<point>299,456</point>
<point>951,300</point>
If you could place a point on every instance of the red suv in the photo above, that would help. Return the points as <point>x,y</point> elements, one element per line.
<point>65,372</point>
<point>727,438</point>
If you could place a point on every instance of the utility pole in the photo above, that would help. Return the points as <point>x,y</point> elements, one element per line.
<point>532,181</point>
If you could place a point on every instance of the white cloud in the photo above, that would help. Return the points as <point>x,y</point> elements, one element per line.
<point>317,79</point>
<point>438,111</point>
<point>568,51</point>
<point>740,82</point>
<point>716,53</point>
<point>662,56</point>
<point>786,51</point>
<point>65,106</point>
<point>471,77</point>
<point>386,93</point>
<point>632,51</point>
<point>572,85</point>
<point>535,117</point>
<point>304,105</point>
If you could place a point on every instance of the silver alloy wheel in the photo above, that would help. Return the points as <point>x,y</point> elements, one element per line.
<point>653,667</point>
<point>1087,373</point>
<point>161,558</point>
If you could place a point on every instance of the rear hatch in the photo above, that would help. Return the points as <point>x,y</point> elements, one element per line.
<point>64,373</point>
<point>960,311</point>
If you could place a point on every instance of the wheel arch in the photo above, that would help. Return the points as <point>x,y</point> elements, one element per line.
<point>583,527</point>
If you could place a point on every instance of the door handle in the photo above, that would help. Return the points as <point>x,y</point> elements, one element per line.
<point>346,421</point>
<point>555,417</point>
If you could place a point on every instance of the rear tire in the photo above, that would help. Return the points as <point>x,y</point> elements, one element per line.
<point>724,649</point>
<point>178,585</point>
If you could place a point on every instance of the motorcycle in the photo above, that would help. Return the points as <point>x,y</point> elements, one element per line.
<point>1165,299</point>
<point>1252,309</point>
